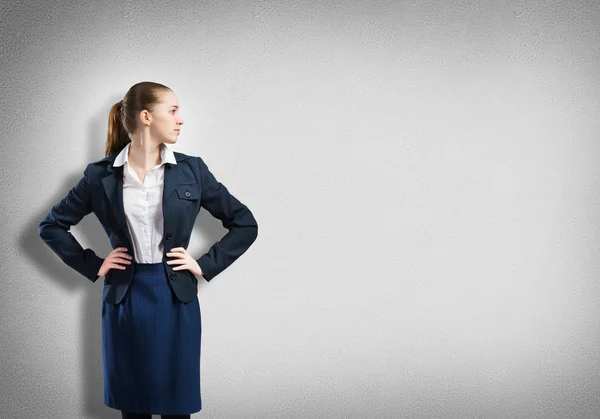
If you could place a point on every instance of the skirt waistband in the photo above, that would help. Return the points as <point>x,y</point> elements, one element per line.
<point>148,267</point>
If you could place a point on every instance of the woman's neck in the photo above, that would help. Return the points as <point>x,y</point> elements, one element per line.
<point>144,157</point>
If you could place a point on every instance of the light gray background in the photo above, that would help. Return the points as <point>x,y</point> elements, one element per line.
<point>425,178</point>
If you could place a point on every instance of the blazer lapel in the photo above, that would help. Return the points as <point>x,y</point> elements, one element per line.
<point>113,187</point>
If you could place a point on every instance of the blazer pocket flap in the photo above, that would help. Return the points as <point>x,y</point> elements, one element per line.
<point>188,191</point>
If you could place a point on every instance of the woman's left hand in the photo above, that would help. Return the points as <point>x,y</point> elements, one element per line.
<point>184,261</point>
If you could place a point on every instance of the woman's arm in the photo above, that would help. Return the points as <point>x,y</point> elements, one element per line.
<point>54,229</point>
<point>235,216</point>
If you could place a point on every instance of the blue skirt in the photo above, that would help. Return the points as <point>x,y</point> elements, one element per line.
<point>151,347</point>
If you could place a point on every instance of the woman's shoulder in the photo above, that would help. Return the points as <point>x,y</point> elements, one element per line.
<point>102,162</point>
<point>192,158</point>
<point>183,156</point>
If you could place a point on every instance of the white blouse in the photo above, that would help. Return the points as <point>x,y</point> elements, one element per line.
<point>143,206</point>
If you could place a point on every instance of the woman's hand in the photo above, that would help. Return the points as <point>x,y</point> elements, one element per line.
<point>119,255</point>
<point>184,261</point>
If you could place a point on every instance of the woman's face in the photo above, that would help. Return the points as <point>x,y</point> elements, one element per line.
<point>166,119</point>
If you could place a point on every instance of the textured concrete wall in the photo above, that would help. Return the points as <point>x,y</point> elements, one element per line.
<point>425,176</point>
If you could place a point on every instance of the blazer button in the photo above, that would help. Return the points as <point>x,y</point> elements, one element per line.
<point>173,275</point>
<point>169,236</point>
<point>188,194</point>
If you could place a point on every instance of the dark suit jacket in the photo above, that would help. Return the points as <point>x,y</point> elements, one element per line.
<point>188,185</point>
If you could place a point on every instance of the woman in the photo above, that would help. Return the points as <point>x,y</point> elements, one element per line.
<point>147,197</point>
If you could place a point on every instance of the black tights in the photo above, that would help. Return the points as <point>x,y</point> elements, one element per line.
<point>128,415</point>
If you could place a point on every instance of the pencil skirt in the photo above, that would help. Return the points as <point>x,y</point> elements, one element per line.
<point>151,347</point>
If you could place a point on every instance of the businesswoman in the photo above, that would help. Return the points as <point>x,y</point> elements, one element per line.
<point>147,198</point>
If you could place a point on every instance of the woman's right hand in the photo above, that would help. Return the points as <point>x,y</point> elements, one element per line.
<point>119,255</point>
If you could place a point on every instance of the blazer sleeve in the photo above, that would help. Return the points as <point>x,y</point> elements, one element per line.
<point>235,217</point>
<point>54,229</point>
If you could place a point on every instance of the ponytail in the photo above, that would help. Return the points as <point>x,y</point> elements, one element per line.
<point>117,137</point>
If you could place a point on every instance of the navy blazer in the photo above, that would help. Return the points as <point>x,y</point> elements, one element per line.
<point>188,185</point>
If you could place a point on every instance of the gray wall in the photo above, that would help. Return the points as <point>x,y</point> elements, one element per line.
<point>424,174</point>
